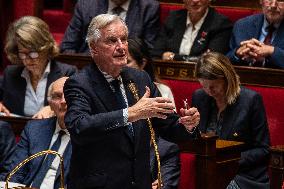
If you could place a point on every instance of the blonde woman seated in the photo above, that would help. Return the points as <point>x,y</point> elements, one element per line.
<point>233,113</point>
<point>31,48</point>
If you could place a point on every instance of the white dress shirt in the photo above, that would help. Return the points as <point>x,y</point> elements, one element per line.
<point>124,6</point>
<point>190,35</point>
<point>48,181</point>
<point>34,99</point>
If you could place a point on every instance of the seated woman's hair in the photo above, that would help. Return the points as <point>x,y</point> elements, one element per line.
<point>139,51</point>
<point>213,65</point>
<point>32,33</point>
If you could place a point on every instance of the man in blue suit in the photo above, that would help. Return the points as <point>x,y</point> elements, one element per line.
<point>40,135</point>
<point>141,17</point>
<point>258,40</point>
<point>107,121</point>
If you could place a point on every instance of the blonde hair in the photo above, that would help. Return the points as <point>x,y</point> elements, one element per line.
<point>213,65</point>
<point>32,33</point>
<point>98,23</point>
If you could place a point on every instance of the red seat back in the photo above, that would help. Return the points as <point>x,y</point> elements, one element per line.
<point>273,99</point>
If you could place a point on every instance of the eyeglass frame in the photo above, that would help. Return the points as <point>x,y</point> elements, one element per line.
<point>32,55</point>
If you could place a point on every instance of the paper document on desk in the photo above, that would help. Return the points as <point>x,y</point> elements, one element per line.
<point>13,115</point>
<point>10,185</point>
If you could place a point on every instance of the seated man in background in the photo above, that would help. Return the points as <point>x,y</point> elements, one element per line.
<point>7,142</point>
<point>141,17</point>
<point>192,31</point>
<point>40,135</point>
<point>258,40</point>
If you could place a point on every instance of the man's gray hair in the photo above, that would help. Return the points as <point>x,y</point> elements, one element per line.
<point>98,23</point>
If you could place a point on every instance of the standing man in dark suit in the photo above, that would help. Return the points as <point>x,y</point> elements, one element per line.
<point>192,31</point>
<point>108,127</point>
<point>141,17</point>
<point>258,40</point>
<point>40,135</point>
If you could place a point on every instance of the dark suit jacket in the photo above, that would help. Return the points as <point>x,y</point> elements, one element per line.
<point>245,121</point>
<point>170,163</point>
<point>214,34</point>
<point>250,27</point>
<point>103,150</point>
<point>14,85</point>
<point>7,142</point>
<point>142,19</point>
<point>36,137</point>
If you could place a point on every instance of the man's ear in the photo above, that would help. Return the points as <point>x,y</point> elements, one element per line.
<point>93,48</point>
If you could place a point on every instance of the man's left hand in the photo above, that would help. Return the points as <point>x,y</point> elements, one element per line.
<point>189,118</point>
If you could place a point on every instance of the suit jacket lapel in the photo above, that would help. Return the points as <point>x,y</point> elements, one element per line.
<point>100,7</point>
<point>126,78</point>
<point>204,112</point>
<point>199,45</point>
<point>21,93</point>
<point>133,10</point>
<point>180,29</point>
<point>257,26</point>
<point>279,35</point>
<point>231,114</point>
<point>102,88</point>
<point>45,139</point>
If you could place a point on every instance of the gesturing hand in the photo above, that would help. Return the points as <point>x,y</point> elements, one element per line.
<point>189,118</point>
<point>148,107</point>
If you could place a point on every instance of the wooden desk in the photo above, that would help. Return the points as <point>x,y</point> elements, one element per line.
<point>213,156</point>
<point>17,124</point>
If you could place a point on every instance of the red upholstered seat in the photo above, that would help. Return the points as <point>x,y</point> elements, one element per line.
<point>22,8</point>
<point>274,103</point>
<point>165,8</point>
<point>182,90</point>
<point>187,179</point>
<point>235,14</point>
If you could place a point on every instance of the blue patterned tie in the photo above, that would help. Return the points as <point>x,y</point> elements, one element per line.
<point>121,101</point>
<point>45,166</point>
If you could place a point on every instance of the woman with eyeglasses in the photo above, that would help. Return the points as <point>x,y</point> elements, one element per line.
<point>31,48</point>
<point>233,113</point>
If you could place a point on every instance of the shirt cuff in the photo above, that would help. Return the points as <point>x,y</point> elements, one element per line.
<point>125,116</point>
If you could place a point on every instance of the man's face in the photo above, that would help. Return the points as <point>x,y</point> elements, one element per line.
<point>273,10</point>
<point>119,2</point>
<point>57,101</point>
<point>111,49</point>
<point>196,7</point>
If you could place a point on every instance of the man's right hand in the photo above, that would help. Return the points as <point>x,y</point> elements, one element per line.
<point>4,109</point>
<point>148,107</point>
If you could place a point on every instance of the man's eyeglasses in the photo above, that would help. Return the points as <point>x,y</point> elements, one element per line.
<point>278,1</point>
<point>56,96</point>
<point>31,55</point>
